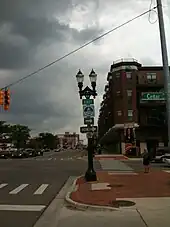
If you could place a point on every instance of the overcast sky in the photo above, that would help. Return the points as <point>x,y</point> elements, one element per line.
<point>35,32</point>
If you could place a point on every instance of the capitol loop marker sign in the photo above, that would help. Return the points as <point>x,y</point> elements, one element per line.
<point>88,111</point>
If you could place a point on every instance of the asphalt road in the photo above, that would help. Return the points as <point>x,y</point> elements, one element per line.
<point>27,186</point>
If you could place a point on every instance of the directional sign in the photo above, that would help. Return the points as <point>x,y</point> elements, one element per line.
<point>88,111</point>
<point>84,129</point>
<point>89,121</point>
<point>88,101</point>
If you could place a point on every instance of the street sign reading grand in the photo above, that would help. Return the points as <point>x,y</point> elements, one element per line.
<point>88,101</point>
<point>88,111</point>
<point>85,129</point>
<point>153,96</point>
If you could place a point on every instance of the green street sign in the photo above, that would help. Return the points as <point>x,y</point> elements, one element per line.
<point>153,96</point>
<point>87,101</point>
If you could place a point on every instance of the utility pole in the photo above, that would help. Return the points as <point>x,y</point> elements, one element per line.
<point>165,63</point>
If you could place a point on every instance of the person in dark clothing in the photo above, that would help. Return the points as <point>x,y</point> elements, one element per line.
<point>146,161</point>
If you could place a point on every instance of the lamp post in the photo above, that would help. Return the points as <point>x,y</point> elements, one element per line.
<point>87,92</point>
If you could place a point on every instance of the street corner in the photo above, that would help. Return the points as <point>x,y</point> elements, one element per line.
<point>109,188</point>
<point>112,157</point>
<point>92,195</point>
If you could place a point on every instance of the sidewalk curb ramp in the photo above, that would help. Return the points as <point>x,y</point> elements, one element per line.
<point>83,206</point>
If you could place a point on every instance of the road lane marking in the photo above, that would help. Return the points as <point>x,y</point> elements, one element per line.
<point>22,207</point>
<point>41,189</point>
<point>18,189</point>
<point>3,185</point>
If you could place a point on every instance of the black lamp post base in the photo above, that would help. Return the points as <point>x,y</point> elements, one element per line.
<point>90,175</point>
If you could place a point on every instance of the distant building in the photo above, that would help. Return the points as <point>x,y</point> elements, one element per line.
<point>68,140</point>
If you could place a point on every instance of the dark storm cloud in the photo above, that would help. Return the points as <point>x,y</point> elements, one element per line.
<point>32,25</point>
<point>36,22</point>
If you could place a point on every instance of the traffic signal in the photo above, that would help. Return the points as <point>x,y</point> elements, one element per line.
<point>1,97</point>
<point>6,99</point>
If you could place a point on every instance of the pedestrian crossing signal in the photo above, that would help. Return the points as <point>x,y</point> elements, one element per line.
<point>1,97</point>
<point>6,99</point>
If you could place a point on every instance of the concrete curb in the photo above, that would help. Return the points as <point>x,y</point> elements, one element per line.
<point>83,206</point>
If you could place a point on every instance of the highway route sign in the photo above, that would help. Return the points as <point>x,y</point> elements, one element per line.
<point>88,111</point>
<point>86,129</point>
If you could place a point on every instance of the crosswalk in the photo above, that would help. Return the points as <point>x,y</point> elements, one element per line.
<point>20,188</point>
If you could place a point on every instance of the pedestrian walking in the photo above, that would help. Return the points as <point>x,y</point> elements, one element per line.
<point>146,161</point>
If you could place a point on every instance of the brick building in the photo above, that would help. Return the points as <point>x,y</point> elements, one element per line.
<point>68,140</point>
<point>134,98</point>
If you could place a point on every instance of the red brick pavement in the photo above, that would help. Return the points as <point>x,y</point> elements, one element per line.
<point>154,184</point>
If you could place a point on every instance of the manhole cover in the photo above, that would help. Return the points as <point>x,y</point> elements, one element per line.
<point>122,203</point>
<point>115,185</point>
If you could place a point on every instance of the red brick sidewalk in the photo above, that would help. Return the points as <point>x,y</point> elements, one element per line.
<point>154,184</point>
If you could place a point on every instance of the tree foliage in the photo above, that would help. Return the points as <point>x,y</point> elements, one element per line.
<point>48,140</point>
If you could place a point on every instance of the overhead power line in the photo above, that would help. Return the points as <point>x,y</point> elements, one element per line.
<point>79,48</point>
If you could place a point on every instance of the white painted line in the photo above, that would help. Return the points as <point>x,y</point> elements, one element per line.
<point>41,189</point>
<point>22,207</point>
<point>18,189</point>
<point>167,171</point>
<point>3,185</point>
<point>100,186</point>
<point>122,173</point>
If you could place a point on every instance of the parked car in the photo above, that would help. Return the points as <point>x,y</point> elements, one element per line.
<point>47,150</point>
<point>17,153</point>
<point>166,159</point>
<point>40,152</point>
<point>32,152</point>
<point>160,154</point>
<point>57,150</point>
<point>5,154</point>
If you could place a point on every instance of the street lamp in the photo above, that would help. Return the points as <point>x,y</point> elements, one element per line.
<point>80,79</point>
<point>87,92</point>
<point>93,78</point>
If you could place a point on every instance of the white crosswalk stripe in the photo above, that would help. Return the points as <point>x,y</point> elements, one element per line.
<point>3,185</point>
<point>41,189</point>
<point>38,190</point>
<point>18,189</point>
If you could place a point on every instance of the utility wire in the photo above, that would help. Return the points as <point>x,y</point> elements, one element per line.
<point>154,11</point>
<point>77,49</point>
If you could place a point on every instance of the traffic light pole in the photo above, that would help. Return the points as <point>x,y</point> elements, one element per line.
<point>90,173</point>
<point>165,63</point>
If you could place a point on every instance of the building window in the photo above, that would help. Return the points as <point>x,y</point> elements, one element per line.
<point>129,93</point>
<point>128,75</point>
<point>130,114</point>
<point>119,113</point>
<point>118,93</point>
<point>151,77</point>
<point>117,75</point>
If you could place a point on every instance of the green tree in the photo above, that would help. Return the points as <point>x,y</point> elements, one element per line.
<point>48,140</point>
<point>4,132</point>
<point>19,135</point>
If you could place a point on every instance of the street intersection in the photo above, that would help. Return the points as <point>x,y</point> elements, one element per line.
<point>28,186</point>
